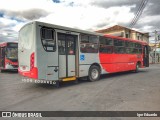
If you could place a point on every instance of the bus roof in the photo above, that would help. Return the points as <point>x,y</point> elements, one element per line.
<point>62,28</point>
<point>80,31</point>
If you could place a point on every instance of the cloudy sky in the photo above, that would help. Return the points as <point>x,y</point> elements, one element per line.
<point>82,14</point>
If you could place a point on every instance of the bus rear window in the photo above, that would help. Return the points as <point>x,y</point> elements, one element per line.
<point>26,36</point>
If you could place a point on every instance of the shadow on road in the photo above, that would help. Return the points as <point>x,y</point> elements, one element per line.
<point>61,84</point>
<point>121,74</point>
<point>85,81</point>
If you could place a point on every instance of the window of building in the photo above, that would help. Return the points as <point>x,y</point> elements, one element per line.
<point>127,35</point>
<point>89,43</point>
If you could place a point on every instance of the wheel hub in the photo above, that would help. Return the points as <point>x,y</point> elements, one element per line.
<point>94,73</point>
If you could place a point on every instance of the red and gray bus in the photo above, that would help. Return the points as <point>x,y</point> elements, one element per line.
<point>58,53</point>
<point>8,56</point>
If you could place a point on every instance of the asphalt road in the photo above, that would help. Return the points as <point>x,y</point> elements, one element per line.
<point>127,91</point>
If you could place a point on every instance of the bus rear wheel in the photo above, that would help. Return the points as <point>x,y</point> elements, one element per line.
<point>137,67</point>
<point>94,73</point>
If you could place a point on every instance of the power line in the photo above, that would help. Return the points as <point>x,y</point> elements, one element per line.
<point>139,12</point>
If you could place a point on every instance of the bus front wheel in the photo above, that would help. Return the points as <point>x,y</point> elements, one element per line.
<point>94,73</point>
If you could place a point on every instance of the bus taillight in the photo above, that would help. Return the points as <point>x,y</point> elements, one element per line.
<point>32,61</point>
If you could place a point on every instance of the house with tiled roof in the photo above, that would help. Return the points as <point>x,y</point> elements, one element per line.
<point>125,32</point>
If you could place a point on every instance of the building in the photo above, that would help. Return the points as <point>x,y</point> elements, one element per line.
<point>153,45</point>
<point>125,32</point>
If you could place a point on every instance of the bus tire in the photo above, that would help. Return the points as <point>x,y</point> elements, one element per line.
<point>57,84</point>
<point>94,73</point>
<point>137,68</point>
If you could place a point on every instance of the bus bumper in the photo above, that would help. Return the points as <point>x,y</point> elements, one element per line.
<point>30,74</point>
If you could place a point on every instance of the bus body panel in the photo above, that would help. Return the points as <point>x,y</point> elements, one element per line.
<point>55,65</point>
<point>114,62</point>
<point>71,65</point>
<point>47,62</point>
<point>119,62</point>
<point>85,62</point>
<point>62,63</point>
<point>26,52</point>
<point>40,55</point>
<point>83,70</point>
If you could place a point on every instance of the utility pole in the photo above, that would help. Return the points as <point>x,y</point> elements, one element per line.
<point>156,36</point>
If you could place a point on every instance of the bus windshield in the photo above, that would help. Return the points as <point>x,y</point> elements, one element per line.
<point>12,53</point>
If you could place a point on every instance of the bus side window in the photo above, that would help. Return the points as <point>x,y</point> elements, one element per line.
<point>71,47</point>
<point>137,48</point>
<point>89,43</point>
<point>106,45</point>
<point>133,48</point>
<point>48,41</point>
<point>119,46</point>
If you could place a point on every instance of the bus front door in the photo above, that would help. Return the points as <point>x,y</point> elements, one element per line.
<point>146,56</point>
<point>67,55</point>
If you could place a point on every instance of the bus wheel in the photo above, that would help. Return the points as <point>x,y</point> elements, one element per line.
<point>137,68</point>
<point>94,73</point>
<point>57,84</point>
